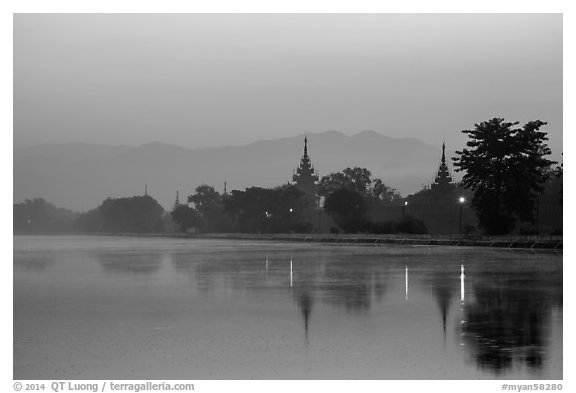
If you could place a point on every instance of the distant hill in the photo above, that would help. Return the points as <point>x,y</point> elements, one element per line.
<point>80,176</point>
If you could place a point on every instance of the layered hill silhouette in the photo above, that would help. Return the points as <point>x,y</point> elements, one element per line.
<point>80,176</point>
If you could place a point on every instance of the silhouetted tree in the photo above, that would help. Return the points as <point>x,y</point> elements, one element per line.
<point>411,225</point>
<point>348,208</point>
<point>186,217</point>
<point>351,194</point>
<point>355,179</point>
<point>37,215</point>
<point>408,224</point>
<point>267,209</point>
<point>359,180</point>
<point>134,214</point>
<point>208,203</point>
<point>384,194</point>
<point>205,198</point>
<point>505,167</point>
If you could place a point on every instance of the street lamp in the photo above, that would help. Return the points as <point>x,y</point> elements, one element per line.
<point>267,215</point>
<point>461,200</point>
<point>404,210</point>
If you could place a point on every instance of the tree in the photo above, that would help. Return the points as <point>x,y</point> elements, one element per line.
<point>204,198</point>
<point>384,194</point>
<point>349,209</point>
<point>505,168</point>
<point>210,208</point>
<point>134,214</point>
<point>267,209</point>
<point>355,179</point>
<point>186,217</point>
<point>359,180</point>
<point>351,194</point>
<point>37,215</point>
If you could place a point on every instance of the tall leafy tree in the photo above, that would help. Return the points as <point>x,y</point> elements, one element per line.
<point>384,194</point>
<point>351,194</point>
<point>205,198</point>
<point>349,209</point>
<point>359,180</point>
<point>133,214</point>
<point>505,166</point>
<point>186,217</point>
<point>208,203</point>
<point>265,210</point>
<point>355,179</point>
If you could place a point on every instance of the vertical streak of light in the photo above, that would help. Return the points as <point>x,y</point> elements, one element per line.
<point>291,277</point>
<point>406,282</point>
<point>462,291</point>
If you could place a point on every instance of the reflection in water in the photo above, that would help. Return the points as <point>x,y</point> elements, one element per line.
<point>507,324</point>
<point>328,279</point>
<point>305,301</point>
<point>462,289</point>
<point>348,290</point>
<point>131,263</point>
<point>225,309</point>
<point>291,275</point>
<point>444,284</point>
<point>406,282</point>
<point>34,262</point>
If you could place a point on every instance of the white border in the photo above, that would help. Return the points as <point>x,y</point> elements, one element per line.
<point>298,6</point>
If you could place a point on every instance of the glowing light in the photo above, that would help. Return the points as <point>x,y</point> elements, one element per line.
<point>406,282</point>
<point>291,274</point>
<point>462,199</point>
<point>462,289</point>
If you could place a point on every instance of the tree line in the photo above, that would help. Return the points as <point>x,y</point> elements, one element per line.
<point>349,196</point>
<point>505,169</point>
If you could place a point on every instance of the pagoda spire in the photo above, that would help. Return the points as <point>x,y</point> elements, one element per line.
<point>443,177</point>
<point>305,177</point>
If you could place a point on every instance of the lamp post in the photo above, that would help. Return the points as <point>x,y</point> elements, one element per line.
<point>461,200</point>
<point>404,210</point>
<point>267,215</point>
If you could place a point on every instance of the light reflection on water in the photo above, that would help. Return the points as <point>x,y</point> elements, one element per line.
<point>104,307</point>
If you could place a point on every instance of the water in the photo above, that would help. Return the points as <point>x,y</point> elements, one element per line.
<point>153,308</point>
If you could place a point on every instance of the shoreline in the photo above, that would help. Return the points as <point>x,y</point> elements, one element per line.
<point>381,240</point>
<point>552,243</point>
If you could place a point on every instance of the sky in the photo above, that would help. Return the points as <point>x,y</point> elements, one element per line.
<point>207,80</point>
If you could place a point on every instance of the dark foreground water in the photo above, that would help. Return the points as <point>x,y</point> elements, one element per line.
<point>153,308</point>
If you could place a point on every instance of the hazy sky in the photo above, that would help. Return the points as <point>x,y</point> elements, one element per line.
<point>201,80</point>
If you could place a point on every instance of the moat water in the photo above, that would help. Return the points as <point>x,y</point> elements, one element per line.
<point>95,307</point>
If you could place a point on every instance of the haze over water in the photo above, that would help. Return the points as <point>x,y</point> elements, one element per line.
<point>154,308</point>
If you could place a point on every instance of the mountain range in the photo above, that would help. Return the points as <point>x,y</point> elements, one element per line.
<point>80,176</point>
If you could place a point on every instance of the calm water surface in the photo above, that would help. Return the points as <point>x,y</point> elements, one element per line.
<point>152,308</point>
